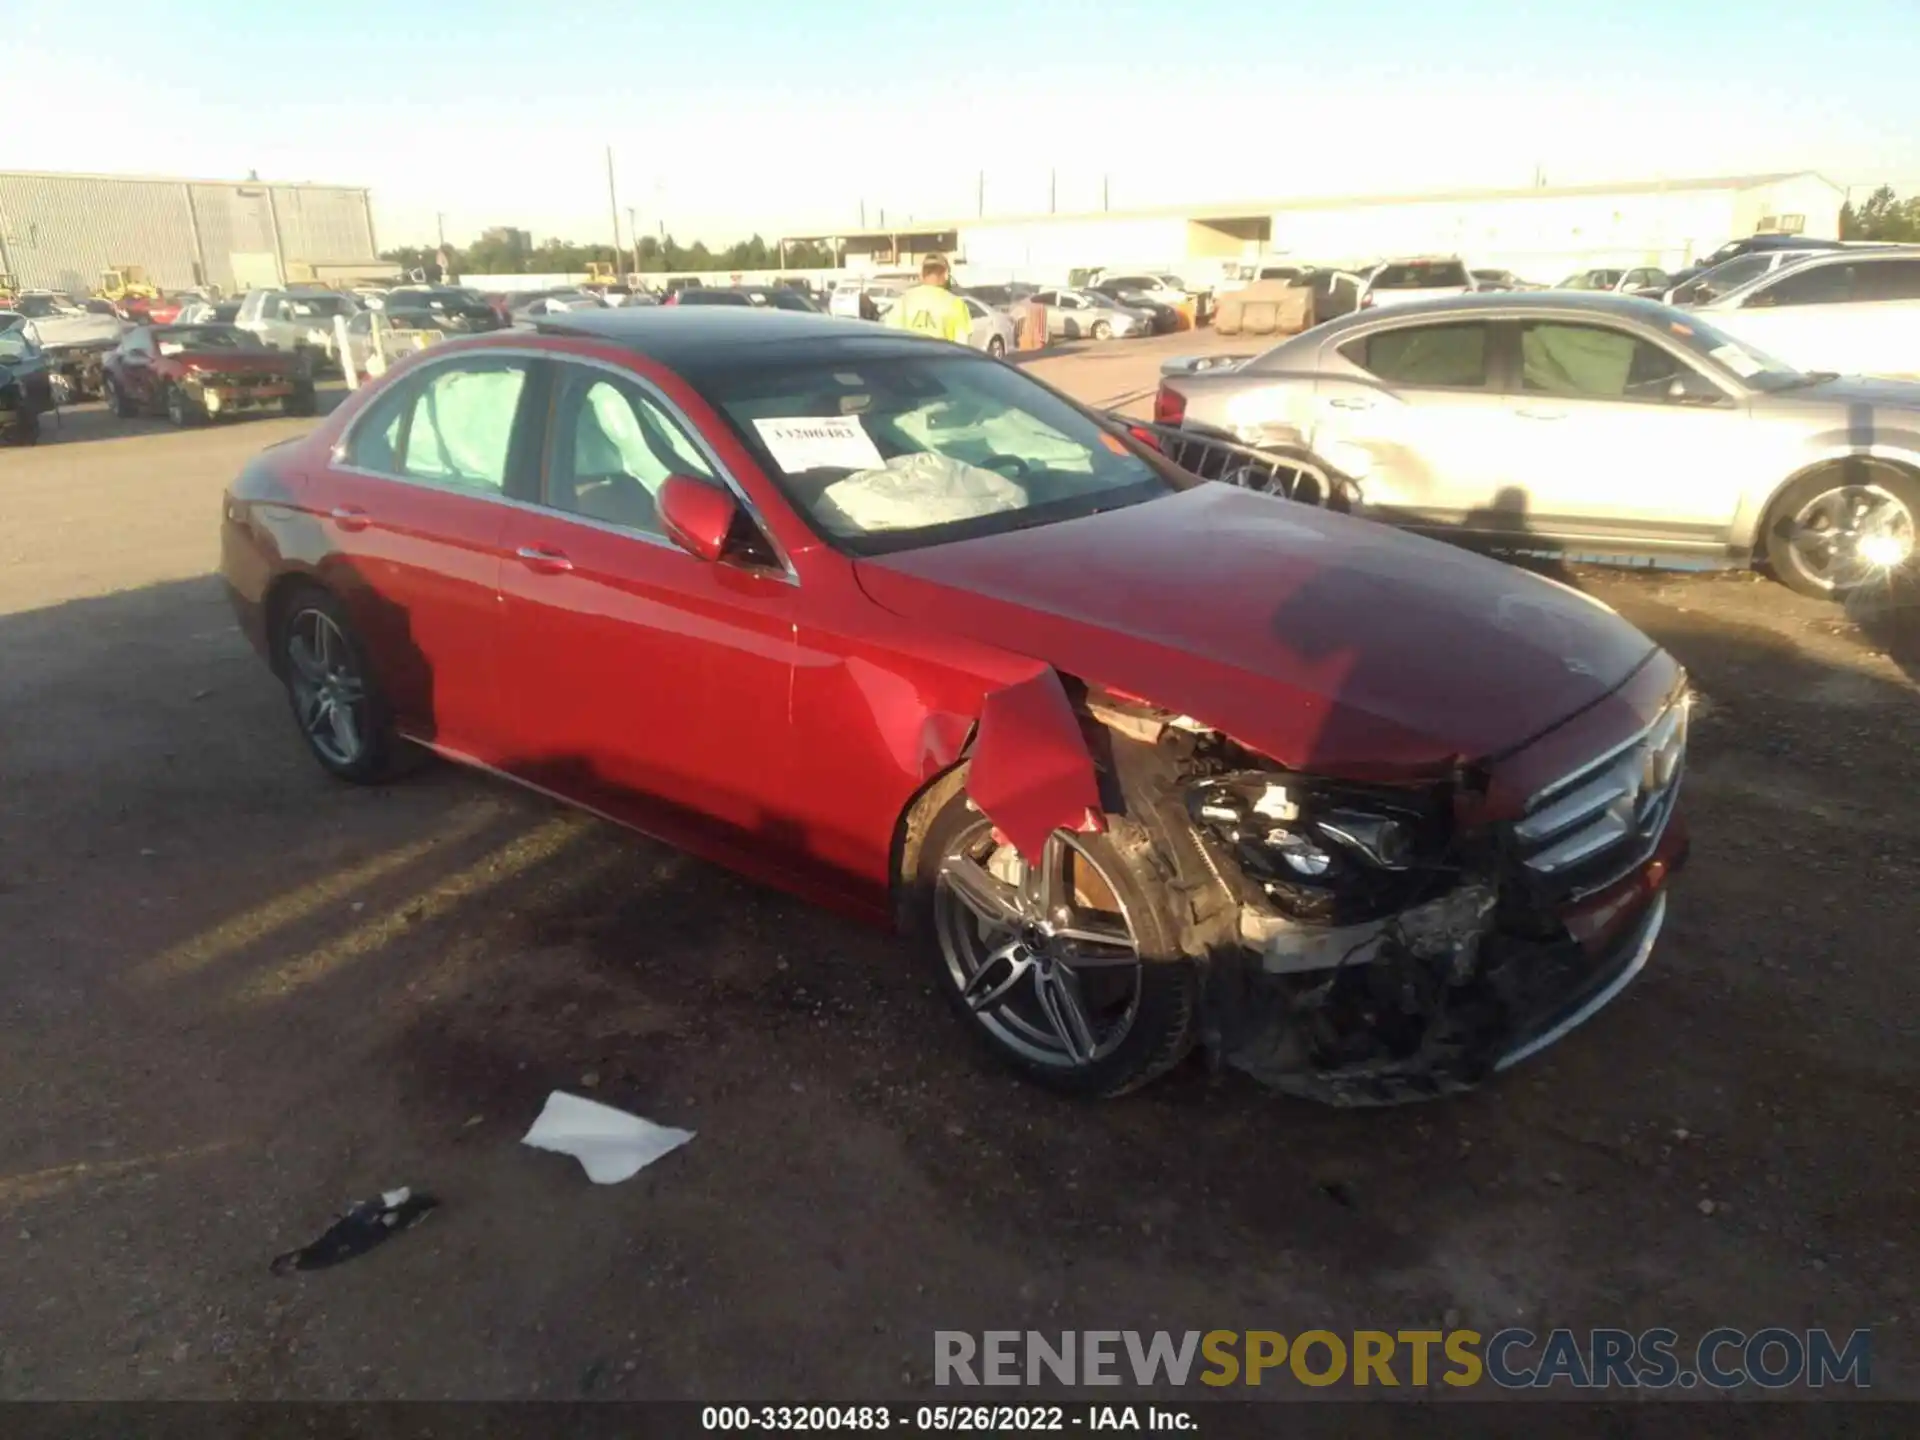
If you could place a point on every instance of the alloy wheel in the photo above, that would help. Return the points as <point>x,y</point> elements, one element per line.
<point>330,694</point>
<point>1850,534</point>
<point>1043,955</point>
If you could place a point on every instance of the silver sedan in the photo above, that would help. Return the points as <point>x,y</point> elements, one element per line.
<point>1078,314</point>
<point>993,330</point>
<point>1596,423</point>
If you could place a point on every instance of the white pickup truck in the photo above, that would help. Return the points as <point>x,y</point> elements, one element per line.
<point>1425,277</point>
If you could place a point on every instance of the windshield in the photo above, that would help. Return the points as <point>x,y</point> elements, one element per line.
<point>16,340</point>
<point>1421,275</point>
<point>1734,273</point>
<point>312,307</point>
<point>1754,367</point>
<point>206,337</point>
<point>40,307</point>
<point>903,451</point>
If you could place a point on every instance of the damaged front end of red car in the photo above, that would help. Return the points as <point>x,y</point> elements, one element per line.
<point>1362,942</point>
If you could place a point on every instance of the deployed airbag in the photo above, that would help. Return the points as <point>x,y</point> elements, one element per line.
<point>911,491</point>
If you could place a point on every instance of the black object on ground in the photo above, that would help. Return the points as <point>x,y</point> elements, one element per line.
<point>362,1227</point>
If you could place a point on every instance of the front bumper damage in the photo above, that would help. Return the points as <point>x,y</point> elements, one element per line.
<point>1435,1000</point>
<point>1525,899</point>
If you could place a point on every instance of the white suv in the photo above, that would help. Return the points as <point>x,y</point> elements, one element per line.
<point>1851,312</point>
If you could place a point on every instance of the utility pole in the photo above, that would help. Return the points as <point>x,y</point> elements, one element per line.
<point>613,203</point>
<point>863,214</point>
<point>1053,189</point>
<point>980,194</point>
<point>440,219</point>
<point>1105,180</point>
<point>633,234</point>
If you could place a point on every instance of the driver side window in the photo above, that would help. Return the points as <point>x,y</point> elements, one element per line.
<point>610,449</point>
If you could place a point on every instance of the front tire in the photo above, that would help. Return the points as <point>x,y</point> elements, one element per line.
<point>181,411</point>
<point>1065,970</point>
<point>25,429</point>
<point>118,400</point>
<point>1102,330</point>
<point>343,717</point>
<point>1842,527</point>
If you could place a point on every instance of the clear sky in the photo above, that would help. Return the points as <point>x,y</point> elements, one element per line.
<point>728,116</point>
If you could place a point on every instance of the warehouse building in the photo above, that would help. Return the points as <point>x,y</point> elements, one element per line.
<point>59,232</point>
<point>1541,233</point>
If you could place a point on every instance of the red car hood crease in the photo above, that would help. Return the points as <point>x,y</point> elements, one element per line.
<point>1332,645</point>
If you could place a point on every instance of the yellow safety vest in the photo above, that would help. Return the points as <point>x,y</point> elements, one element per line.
<point>933,310</point>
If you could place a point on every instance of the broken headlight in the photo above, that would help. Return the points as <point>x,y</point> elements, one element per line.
<point>1327,853</point>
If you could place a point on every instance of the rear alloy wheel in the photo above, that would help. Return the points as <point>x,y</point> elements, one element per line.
<point>996,347</point>
<point>1844,527</point>
<point>181,411</point>
<point>1102,330</point>
<point>1062,966</point>
<point>339,709</point>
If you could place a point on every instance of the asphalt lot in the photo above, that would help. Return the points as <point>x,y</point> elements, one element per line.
<point>237,995</point>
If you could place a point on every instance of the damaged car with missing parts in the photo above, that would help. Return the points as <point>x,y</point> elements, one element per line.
<point>1139,762</point>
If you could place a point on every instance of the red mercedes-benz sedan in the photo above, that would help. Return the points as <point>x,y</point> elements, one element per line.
<point>1138,761</point>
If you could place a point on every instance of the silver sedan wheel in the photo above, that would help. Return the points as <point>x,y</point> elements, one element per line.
<point>1849,535</point>
<point>1043,955</point>
<point>329,693</point>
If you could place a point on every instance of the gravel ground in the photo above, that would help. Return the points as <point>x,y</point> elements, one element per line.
<point>236,995</point>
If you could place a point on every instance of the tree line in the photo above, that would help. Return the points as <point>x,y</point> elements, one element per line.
<point>1883,215</point>
<point>509,252</point>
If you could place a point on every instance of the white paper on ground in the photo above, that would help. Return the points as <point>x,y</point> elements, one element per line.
<point>819,442</point>
<point>610,1144</point>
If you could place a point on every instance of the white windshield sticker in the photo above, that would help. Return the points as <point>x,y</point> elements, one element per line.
<point>1737,360</point>
<point>819,442</point>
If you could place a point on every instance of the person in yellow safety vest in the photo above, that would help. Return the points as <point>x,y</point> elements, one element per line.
<point>930,308</point>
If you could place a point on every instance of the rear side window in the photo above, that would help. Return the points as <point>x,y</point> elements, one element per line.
<point>1820,285</point>
<point>452,427</point>
<point>1452,355</point>
<point>1421,275</point>
<point>462,425</point>
<point>1890,280</point>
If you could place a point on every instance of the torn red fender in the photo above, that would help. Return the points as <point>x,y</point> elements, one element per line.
<point>1031,773</point>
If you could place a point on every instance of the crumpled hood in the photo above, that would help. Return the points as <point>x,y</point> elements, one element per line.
<point>1330,644</point>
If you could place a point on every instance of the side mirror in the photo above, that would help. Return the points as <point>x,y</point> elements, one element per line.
<point>697,516</point>
<point>1693,390</point>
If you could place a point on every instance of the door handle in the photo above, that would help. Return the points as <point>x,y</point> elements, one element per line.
<point>1351,402</point>
<point>543,562</point>
<point>1527,412</point>
<point>349,517</point>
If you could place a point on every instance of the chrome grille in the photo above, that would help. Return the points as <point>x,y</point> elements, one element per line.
<point>1589,829</point>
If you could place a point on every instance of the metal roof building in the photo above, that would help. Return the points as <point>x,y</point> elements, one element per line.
<point>59,232</point>
<point>1542,232</point>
